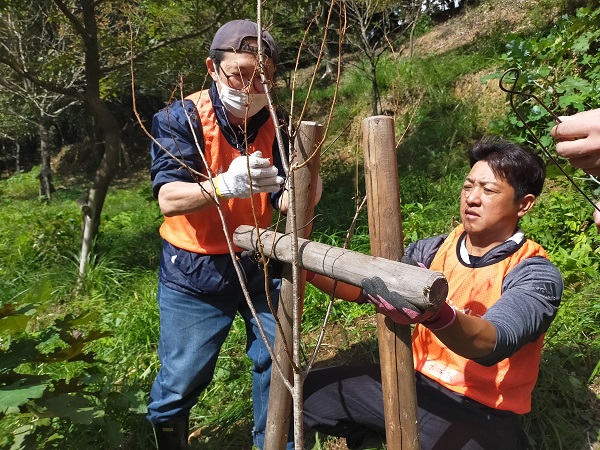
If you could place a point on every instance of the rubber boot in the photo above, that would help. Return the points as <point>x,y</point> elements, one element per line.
<point>172,435</point>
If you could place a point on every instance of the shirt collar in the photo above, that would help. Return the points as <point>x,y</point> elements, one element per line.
<point>517,238</point>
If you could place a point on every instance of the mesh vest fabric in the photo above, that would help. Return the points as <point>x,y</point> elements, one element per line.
<point>202,231</point>
<point>506,385</point>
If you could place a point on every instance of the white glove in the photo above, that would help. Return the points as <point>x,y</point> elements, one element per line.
<point>235,183</point>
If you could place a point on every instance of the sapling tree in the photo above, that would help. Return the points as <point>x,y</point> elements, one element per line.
<point>372,25</point>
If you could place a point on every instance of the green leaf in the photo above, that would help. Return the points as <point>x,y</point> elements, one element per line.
<point>40,292</point>
<point>18,394</point>
<point>553,172</point>
<point>582,43</point>
<point>14,320</point>
<point>574,100</point>
<point>74,407</point>
<point>20,351</point>
<point>111,430</point>
<point>20,435</point>
<point>14,324</point>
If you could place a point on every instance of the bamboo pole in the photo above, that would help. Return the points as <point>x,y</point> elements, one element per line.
<point>307,145</point>
<point>424,288</point>
<point>385,230</point>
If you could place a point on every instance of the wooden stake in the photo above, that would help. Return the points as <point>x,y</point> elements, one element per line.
<point>306,145</point>
<point>385,229</point>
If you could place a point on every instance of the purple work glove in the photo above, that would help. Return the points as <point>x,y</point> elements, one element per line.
<point>400,310</point>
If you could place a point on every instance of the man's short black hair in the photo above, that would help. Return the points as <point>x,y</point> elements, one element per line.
<point>521,167</point>
<point>216,56</point>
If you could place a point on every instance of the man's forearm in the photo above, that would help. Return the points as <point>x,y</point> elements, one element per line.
<point>179,197</point>
<point>470,337</point>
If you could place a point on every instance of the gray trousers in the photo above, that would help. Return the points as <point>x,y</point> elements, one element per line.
<point>347,401</point>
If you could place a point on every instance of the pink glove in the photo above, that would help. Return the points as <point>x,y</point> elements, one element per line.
<point>400,310</point>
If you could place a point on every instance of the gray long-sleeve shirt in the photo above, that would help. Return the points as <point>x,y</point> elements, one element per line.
<point>531,294</point>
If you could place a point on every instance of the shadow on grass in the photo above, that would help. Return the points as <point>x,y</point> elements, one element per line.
<point>237,436</point>
<point>218,436</point>
<point>364,351</point>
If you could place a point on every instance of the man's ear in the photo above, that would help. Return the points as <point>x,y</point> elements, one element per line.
<point>525,204</point>
<point>212,68</point>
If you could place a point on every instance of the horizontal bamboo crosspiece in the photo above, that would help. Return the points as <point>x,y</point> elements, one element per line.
<point>421,287</point>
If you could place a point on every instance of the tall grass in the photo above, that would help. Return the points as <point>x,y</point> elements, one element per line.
<point>120,289</point>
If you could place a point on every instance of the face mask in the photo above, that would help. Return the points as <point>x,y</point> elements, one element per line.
<point>241,104</point>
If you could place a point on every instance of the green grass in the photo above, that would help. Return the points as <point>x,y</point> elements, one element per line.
<point>121,291</point>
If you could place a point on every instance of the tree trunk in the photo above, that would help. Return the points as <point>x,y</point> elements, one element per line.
<point>287,341</point>
<point>413,27</point>
<point>374,87</point>
<point>17,157</point>
<point>46,175</point>
<point>92,206</point>
<point>423,288</point>
<point>6,159</point>
<point>111,132</point>
<point>386,239</point>
<point>330,67</point>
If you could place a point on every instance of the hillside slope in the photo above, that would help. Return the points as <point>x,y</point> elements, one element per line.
<point>483,20</point>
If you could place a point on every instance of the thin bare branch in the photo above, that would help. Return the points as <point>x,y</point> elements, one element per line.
<point>165,43</point>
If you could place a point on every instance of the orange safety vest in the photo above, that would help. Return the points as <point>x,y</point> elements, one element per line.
<point>506,385</point>
<point>202,231</point>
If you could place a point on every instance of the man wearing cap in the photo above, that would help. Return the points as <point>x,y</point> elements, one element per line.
<point>219,145</point>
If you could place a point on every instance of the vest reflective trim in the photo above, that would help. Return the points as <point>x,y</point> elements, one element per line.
<point>506,385</point>
<point>202,231</point>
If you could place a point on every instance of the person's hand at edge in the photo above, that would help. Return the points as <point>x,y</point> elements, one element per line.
<point>578,139</point>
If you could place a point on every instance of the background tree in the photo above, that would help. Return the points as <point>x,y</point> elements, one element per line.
<point>80,50</point>
<point>29,103</point>
<point>373,25</point>
<point>13,133</point>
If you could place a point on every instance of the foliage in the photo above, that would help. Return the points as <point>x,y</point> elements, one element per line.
<point>567,232</point>
<point>48,373</point>
<point>561,67</point>
<point>62,373</point>
<point>563,415</point>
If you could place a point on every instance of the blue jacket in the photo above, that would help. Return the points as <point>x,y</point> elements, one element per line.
<point>181,270</point>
